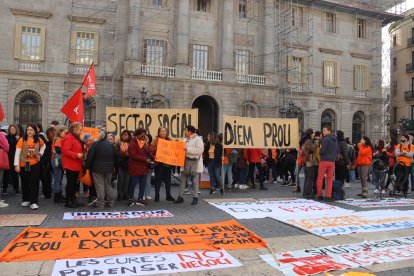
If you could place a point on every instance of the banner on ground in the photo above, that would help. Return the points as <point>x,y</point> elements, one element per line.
<point>243,132</point>
<point>147,264</point>
<point>384,202</point>
<point>296,208</point>
<point>357,222</point>
<point>170,152</point>
<point>116,215</point>
<point>175,120</point>
<point>36,244</point>
<point>339,257</point>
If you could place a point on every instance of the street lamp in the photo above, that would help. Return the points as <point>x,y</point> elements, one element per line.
<point>133,101</point>
<point>291,108</point>
<point>403,123</point>
<point>146,102</point>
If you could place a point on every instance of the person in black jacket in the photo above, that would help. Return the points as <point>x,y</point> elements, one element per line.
<point>45,162</point>
<point>121,151</point>
<point>12,137</point>
<point>101,163</point>
<point>342,160</point>
<point>212,159</point>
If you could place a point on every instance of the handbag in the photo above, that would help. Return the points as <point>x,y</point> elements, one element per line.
<point>4,160</point>
<point>86,178</point>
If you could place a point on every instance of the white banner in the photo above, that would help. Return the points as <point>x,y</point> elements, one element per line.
<point>339,257</point>
<point>357,222</point>
<point>296,208</point>
<point>146,264</point>
<point>385,202</point>
<point>116,215</point>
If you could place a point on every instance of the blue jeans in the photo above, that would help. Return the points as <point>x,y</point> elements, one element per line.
<point>217,175</point>
<point>57,178</point>
<point>412,176</point>
<point>376,178</point>
<point>133,180</point>
<point>228,172</point>
<point>148,184</point>
<point>211,172</point>
<point>242,175</point>
<point>352,175</point>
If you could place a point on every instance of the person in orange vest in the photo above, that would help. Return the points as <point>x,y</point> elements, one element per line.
<point>254,157</point>
<point>363,163</point>
<point>405,152</point>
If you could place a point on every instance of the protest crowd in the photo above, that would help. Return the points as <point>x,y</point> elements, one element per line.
<point>94,165</point>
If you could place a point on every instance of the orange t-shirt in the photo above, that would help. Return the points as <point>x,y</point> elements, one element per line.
<point>57,143</point>
<point>31,145</point>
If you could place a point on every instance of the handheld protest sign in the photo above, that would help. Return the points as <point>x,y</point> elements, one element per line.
<point>175,120</point>
<point>243,132</point>
<point>170,152</point>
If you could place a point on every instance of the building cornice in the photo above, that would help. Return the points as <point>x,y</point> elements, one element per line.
<point>362,56</point>
<point>29,13</point>
<point>83,19</point>
<point>297,46</point>
<point>331,51</point>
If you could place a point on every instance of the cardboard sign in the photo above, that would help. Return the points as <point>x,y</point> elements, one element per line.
<point>243,132</point>
<point>147,264</point>
<point>297,208</point>
<point>37,244</point>
<point>116,215</point>
<point>384,202</point>
<point>175,120</point>
<point>339,257</point>
<point>170,152</point>
<point>358,222</point>
<point>92,131</point>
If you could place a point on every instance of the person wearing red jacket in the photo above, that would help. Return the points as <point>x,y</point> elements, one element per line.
<point>140,157</point>
<point>72,156</point>
<point>255,156</point>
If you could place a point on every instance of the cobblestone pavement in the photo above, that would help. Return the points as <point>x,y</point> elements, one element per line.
<point>187,214</point>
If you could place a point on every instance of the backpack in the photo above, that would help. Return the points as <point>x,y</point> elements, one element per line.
<point>337,191</point>
<point>233,157</point>
<point>339,156</point>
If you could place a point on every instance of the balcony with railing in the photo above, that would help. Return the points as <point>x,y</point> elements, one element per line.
<point>409,95</point>
<point>29,66</point>
<point>360,94</point>
<point>206,75</point>
<point>79,69</point>
<point>329,90</point>
<point>409,67</point>
<point>158,71</point>
<point>410,42</point>
<point>251,79</point>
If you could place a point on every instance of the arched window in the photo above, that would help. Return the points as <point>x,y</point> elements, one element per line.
<point>358,126</point>
<point>328,118</point>
<point>90,112</point>
<point>28,108</point>
<point>249,110</point>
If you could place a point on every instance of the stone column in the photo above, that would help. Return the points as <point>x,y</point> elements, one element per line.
<point>182,68</point>
<point>134,31</point>
<point>227,34</point>
<point>269,43</point>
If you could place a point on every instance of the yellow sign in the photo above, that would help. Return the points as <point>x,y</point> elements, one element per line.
<point>243,132</point>
<point>175,120</point>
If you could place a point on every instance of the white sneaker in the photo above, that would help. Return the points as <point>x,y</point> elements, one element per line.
<point>236,186</point>
<point>243,187</point>
<point>376,191</point>
<point>347,185</point>
<point>275,182</point>
<point>3,204</point>
<point>266,181</point>
<point>148,198</point>
<point>25,203</point>
<point>34,206</point>
<point>382,191</point>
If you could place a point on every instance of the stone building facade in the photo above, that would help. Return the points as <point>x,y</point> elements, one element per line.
<point>315,60</point>
<point>402,72</point>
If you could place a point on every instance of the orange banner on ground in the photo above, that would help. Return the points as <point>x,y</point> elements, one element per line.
<point>170,152</point>
<point>37,244</point>
<point>92,131</point>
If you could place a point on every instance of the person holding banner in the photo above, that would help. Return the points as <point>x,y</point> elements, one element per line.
<point>213,152</point>
<point>140,158</point>
<point>254,157</point>
<point>121,151</point>
<point>72,156</point>
<point>29,149</point>
<point>162,170</point>
<point>193,164</point>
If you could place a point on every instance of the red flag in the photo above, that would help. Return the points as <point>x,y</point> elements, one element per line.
<point>1,114</point>
<point>90,82</point>
<point>74,107</point>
